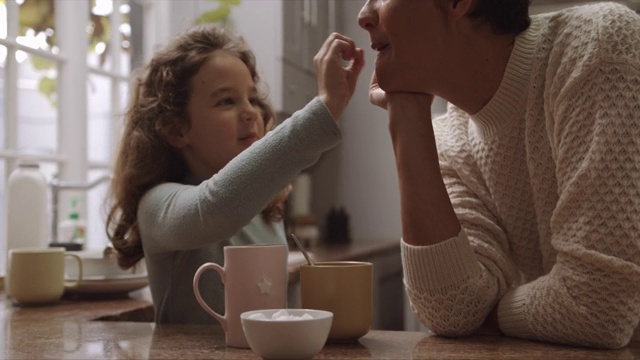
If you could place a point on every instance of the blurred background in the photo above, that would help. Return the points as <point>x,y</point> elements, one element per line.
<point>65,68</point>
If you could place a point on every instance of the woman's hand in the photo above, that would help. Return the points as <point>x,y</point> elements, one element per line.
<point>400,100</point>
<point>336,83</point>
<point>377,96</point>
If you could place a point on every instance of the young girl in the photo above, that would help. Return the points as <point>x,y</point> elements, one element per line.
<point>199,169</point>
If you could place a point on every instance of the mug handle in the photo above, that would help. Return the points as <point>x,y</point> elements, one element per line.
<point>76,282</point>
<point>196,289</point>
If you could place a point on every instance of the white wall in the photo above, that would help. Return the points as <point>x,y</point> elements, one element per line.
<point>263,37</point>
<point>360,174</point>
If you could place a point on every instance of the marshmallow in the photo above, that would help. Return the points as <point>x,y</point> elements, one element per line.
<point>280,315</point>
<point>258,316</point>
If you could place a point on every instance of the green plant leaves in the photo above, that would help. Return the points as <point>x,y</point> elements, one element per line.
<point>41,63</point>
<point>221,14</point>
<point>47,86</point>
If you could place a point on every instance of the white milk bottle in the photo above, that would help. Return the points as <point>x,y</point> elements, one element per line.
<point>26,208</point>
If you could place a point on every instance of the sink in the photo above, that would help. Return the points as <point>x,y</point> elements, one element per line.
<point>143,314</point>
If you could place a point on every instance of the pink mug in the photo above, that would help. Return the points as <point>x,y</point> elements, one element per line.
<point>254,277</point>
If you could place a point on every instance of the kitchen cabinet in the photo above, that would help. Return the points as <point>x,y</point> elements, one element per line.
<point>388,292</point>
<point>285,36</point>
<point>306,26</point>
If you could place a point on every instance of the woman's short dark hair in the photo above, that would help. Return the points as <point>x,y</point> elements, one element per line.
<point>506,16</point>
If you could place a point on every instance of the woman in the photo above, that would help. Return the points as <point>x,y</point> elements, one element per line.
<point>520,205</point>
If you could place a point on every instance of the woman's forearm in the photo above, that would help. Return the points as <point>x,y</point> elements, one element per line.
<point>427,215</point>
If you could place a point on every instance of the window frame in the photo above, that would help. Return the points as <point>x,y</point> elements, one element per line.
<point>72,116</point>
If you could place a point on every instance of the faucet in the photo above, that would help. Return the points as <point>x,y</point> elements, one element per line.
<point>56,186</point>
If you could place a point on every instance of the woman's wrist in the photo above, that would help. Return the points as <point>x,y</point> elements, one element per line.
<point>409,103</point>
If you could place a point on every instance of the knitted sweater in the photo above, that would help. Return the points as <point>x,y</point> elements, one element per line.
<point>183,226</point>
<point>545,181</point>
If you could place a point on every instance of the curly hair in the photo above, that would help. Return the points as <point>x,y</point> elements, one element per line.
<point>159,105</point>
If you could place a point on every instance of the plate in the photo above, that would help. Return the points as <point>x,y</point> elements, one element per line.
<point>108,285</point>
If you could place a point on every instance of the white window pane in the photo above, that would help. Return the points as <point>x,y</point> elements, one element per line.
<point>96,237</point>
<point>37,112</point>
<point>100,36</point>
<point>3,55</point>
<point>100,115</point>
<point>3,214</point>
<point>124,97</point>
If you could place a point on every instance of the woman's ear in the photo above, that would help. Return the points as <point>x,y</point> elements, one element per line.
<point>459,8</point>
<point>175,135</point>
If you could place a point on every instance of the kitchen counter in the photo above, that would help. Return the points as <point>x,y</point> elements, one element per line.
<point>118,328</point>
<point>68,330</point>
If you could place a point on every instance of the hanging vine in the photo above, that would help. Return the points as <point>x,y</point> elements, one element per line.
<point>39,16</point>
<point>220,14</point>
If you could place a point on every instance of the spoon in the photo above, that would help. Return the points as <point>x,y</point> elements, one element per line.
<point>304,252</point>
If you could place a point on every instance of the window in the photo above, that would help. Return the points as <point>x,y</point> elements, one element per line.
<point>65,79</point>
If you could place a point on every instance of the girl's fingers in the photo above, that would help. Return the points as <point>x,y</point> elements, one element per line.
<point>358,62</point>
<point>336,45</point>
<point>328,43</point>
<point>336,83</point>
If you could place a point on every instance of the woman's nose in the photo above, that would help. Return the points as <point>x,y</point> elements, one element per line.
<point>367,17</point>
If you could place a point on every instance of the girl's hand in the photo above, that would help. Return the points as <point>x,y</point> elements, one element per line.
<point>336,83</point>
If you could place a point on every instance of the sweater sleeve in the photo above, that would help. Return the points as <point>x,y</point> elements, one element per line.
<point>183,217</point>
<point>455,284</point>
<point>592,294</point>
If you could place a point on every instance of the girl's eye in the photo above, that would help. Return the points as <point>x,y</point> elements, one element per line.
<point>226,101</point>
<point>254,101</point>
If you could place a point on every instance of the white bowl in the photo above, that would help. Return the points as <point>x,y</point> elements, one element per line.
<point>287,339</point>
<point>99,264</point>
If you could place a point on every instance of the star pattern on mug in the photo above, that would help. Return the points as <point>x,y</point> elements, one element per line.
<point>265,286</point>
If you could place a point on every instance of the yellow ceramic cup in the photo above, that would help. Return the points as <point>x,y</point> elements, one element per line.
<point>36,275</point>
<point>345,289</point>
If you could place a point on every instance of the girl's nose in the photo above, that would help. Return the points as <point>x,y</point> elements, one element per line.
<point>368,18</point>
<point>250,112</point>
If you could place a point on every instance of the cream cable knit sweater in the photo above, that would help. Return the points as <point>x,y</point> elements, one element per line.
<point>546,183</point>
